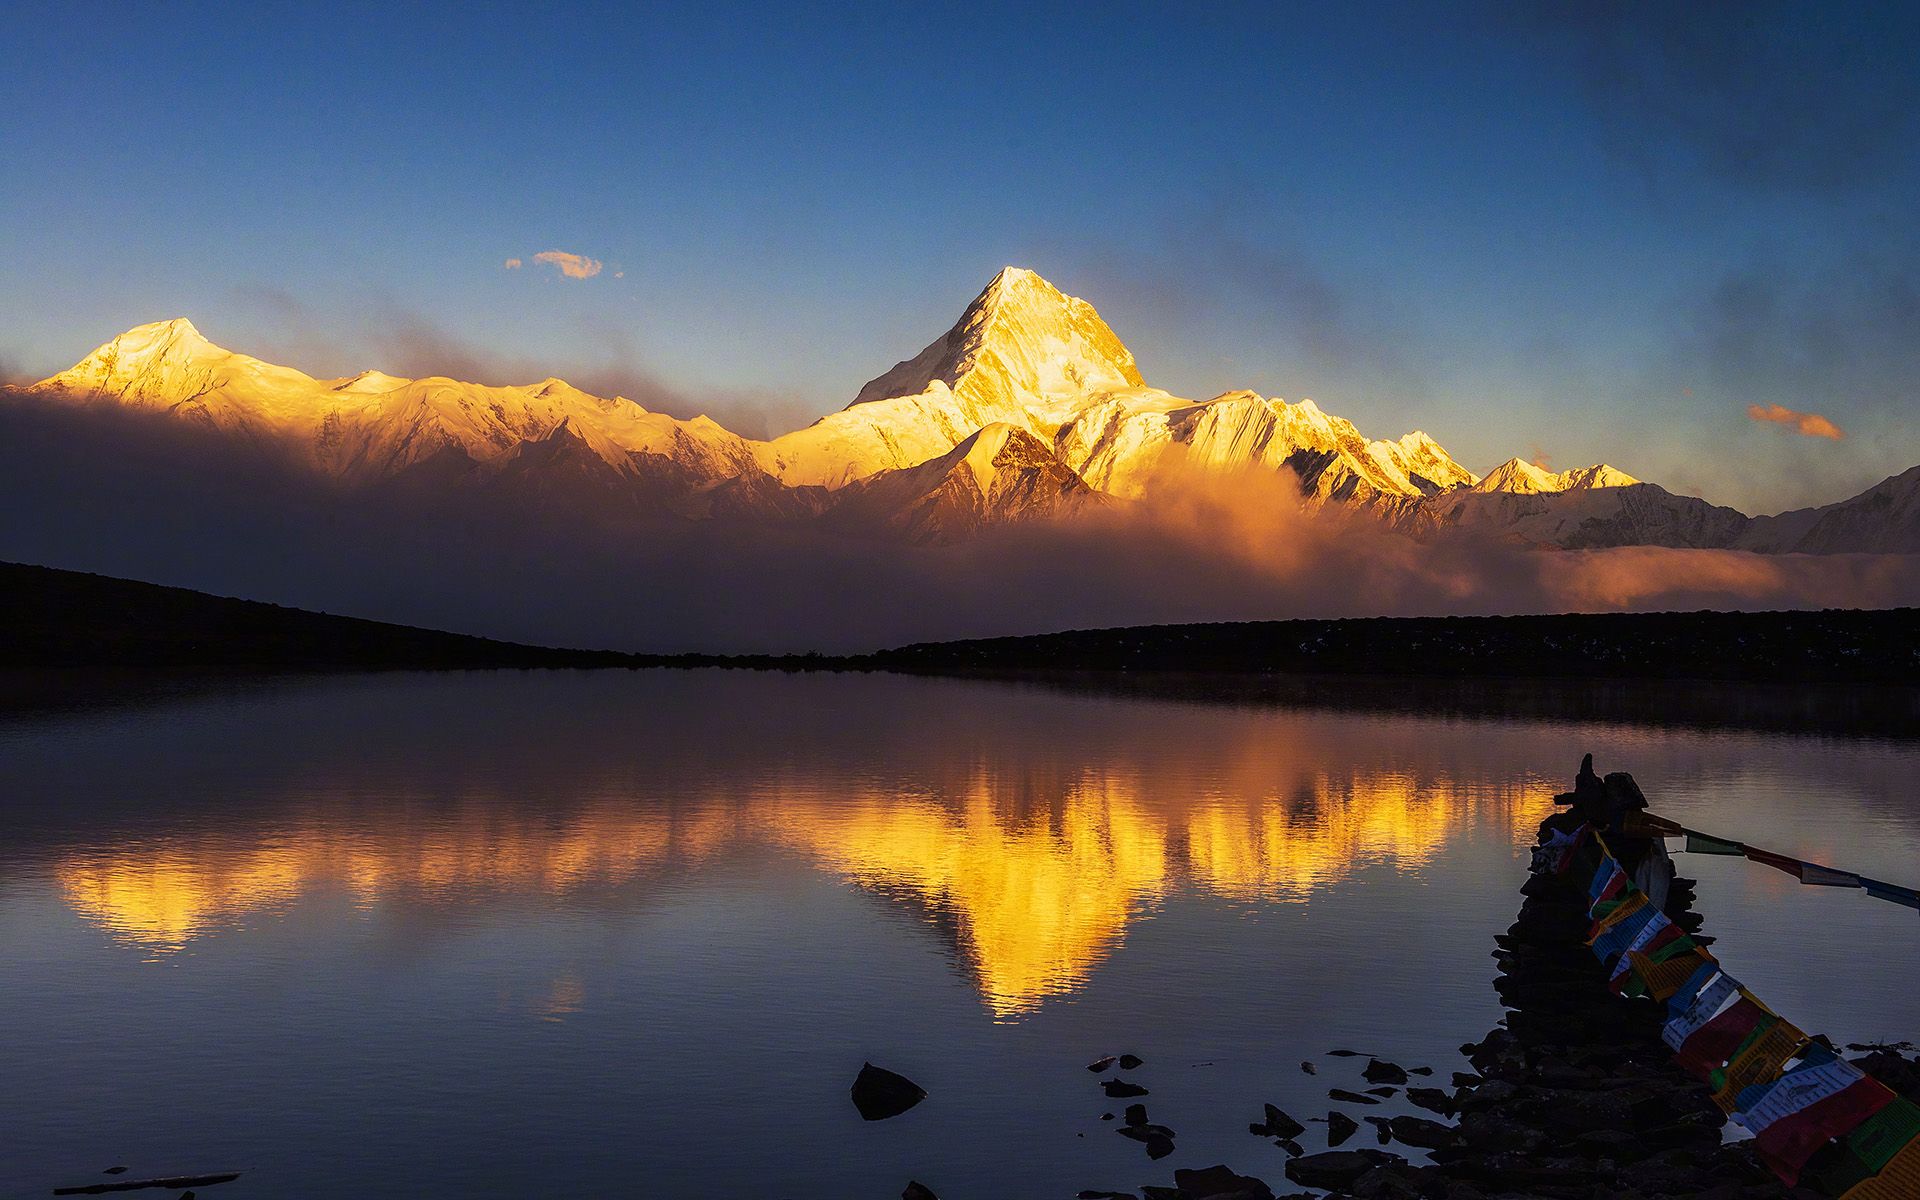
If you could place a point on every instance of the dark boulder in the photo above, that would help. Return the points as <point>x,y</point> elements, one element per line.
<point>1351,1097</point>
<point>879,1093</point>
<point>1432,1099</point>
<point>1337,1169</point>
<point>1418,1131</point>
<point>1129,1061</point>
<point>1158,1139</point>
<point>1384,1072</point>
<point>1120,1089</point>
<point>1340,1127</point>
<point>918,1191</point>
<point>1221,1183</point>
<point>1100,1064</point>
<point>1395,1181</point>
<point>1136,1115</point>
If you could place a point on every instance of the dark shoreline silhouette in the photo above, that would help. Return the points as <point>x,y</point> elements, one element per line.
<point>71,635</point>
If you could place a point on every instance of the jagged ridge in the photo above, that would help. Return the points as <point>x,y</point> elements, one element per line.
<point>1027,407</point>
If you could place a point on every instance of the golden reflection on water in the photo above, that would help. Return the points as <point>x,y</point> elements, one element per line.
<point>1036,881</point>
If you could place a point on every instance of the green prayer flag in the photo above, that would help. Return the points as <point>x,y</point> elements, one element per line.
<point>1826,876</point>
<point>1700,843</point>
<point>1890,891</point>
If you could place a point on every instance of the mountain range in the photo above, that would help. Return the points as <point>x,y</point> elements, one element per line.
<point>1028,408</point>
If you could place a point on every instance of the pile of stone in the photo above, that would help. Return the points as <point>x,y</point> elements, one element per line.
<point>1574,1097</point>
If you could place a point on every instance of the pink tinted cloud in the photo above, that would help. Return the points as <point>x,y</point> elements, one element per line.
<point>513,264</point>
<point>573,266</point>
<point>1807,424</point>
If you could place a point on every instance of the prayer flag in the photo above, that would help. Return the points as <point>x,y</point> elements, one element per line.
<point>1704,1007</point>
<point>1646,825</point>
<point>1662,978</point>
<point>1682,999</point>
<point>1657,927</point>
<point>1608,882</point>
<point>1808,1108</point>
<point>1700,843</point>
<point>1898,1180</point>
<point>1759,1061</point>
<point>1709,1047</point>
<point>1618,930</point>
<point>1875,1141</point>
<point>1891,891</point>
<point>1790,865</point>
<point>1761,1106</point>
<point>1827,877</point>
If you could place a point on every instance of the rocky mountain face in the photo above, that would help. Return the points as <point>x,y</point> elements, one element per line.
<point>997,476</point>
<point>1029,407</point>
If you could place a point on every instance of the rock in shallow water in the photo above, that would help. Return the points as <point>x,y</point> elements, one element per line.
<point>1280,1125</point>
<point>1432,1099</point>
<point>1221,1183</point>
<point>1340,1127</point>
<point>1158,1139</point>
<point>1120,1089</point>
<point>879,1093</point>
<point>1337,1168</point>
<point>1418,1131</point>
<point>916,1190</point>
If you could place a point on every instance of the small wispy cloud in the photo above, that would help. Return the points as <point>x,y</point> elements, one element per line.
<point>1541,458</point>
<point>513,264</point>
<point>573,266</point>
<point>1807,424</point>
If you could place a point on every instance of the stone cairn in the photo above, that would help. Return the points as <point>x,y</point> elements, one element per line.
<point>1575,1095</point>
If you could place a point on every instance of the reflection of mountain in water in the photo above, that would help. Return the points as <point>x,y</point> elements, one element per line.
<point>1034,881</point>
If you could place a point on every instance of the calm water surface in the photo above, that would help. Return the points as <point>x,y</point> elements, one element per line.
<point>572,933</point>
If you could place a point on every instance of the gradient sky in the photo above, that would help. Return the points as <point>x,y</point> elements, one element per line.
<point>1578,232</point>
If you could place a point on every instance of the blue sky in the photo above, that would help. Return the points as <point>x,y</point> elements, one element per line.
<point>1583,232</point>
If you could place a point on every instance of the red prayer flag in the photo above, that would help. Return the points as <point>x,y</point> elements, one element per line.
<point>1789,1142</point>
<point>1713,1043</point>
<point>1790,865</point>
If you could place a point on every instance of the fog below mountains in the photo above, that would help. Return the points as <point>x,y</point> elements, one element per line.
<point>148,498</point>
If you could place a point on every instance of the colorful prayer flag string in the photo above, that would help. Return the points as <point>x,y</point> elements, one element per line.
<point>1791,1091</point>
<point>1645,824</point>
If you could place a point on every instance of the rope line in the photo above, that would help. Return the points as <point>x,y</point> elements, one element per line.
<point>1646,824</point>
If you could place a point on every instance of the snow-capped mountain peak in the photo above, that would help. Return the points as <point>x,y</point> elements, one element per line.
<point>1518,477</point>
<point>371,383</point>
<point>1020,339</point>
<point>164,363</point>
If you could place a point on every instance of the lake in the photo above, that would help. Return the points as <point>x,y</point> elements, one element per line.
<point>547,933</point>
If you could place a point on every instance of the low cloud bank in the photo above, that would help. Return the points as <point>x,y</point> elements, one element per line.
<point>408,344</point>
<point>148,498</point>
